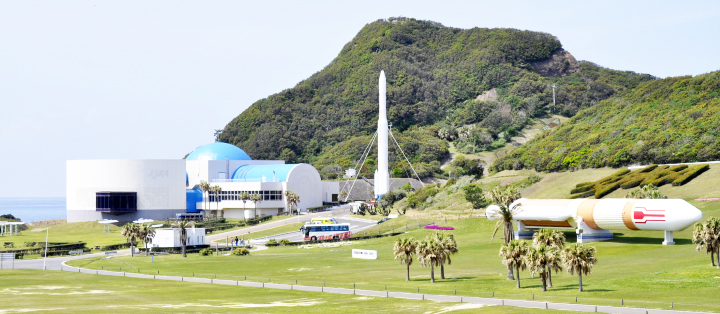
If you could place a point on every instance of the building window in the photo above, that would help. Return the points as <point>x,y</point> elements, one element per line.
<point>116,202</point>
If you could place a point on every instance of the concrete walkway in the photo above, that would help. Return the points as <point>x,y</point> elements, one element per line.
<point>59,264</point>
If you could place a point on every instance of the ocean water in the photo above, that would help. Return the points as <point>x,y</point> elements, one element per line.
<point>31,209</point>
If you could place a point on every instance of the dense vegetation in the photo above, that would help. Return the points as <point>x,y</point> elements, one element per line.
<point>663,121</point>
<point>434,74</point>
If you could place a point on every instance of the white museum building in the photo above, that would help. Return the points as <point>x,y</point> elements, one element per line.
<point>127,190</point>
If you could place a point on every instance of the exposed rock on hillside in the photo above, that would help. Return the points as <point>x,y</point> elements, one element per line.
<point>560,64</point>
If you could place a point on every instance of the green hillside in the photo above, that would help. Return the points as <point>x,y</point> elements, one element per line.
<point>435,75</point>
<point>663,121</point>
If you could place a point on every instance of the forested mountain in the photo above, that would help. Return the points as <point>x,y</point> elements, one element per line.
<point>663,121</point>
<point>435,75</point>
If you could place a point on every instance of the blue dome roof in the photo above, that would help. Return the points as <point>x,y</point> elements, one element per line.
<point>218,151</point>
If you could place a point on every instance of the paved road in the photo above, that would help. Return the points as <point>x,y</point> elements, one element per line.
<point>301,218</point>
<point>356,225</point>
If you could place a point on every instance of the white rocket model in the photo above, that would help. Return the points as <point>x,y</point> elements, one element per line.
<point>382,177</point>
<point>592,218</point>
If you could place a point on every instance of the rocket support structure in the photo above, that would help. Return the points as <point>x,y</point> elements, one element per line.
<point>382,177</point>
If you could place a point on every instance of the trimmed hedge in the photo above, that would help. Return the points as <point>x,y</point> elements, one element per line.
<point>178,250</point>
<point>649,168</point>
<point>677,168</point>
<point>255,221</point>
<point>114,247</point>
<point>690,175</point>
<point>583,188</point>
<point>606,189</point>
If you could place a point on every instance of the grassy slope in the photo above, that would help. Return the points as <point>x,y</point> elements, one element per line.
<point>62,292</point>
<point>634,266</point>
<point>91,232</point>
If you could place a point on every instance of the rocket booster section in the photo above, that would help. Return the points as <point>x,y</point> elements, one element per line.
<point>382,176</point>
<point>604,214</point>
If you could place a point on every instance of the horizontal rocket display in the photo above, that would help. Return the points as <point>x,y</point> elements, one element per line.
<point>602,214</point>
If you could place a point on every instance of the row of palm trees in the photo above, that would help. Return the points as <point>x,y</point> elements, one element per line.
<point>215,190</point>
<point>707,236</point>
<point>134,232</point>
<point>435,250</point>
<point>546,254</point>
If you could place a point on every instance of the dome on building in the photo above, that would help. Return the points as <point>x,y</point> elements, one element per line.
<point>218,151</point>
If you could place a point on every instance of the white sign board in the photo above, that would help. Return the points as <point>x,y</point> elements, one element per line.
<point>366,254</point>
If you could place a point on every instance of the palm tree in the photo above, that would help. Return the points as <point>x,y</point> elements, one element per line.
<point>579,259</point>
<point>244,197</point>
<point>131,231</point>
<point>205,187</point>
<point>448,246</point>
<point>428,253</point>
<point>503,197</point>
<point>255,199</point>
<point>552,238</point>
<point>707,235</point>
<point>538,259</point>
<point>183,226</point>
<point>512,254</point>
<point>147,233</point>
<point>292,200</point>
<point>404,250</point>
<point>216,189</point>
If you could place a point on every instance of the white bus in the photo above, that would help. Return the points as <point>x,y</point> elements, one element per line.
<point>326,232</point>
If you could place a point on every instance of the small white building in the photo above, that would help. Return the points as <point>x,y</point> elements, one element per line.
<point>170,237</point>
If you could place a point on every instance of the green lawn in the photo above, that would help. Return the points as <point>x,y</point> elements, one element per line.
<point>237,220</point>
<point>634,267</point>
<point>91,232</point>
<point>63,292</point>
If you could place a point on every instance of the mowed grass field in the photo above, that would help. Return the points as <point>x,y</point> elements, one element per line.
<point>634,267</point>
<point>63,292</point>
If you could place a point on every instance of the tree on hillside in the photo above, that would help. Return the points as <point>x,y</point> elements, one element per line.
<point>146,234</point>
<point>474,195</point>
<point>468,167</point>
<point>707,235</point>
<point>131,231</point>
<point>513,256</point>
<point>428,253</point>
<point>183,226</point>
<point>551,238</point>
<point>205,187</point>
<point>647,191</point>
<point>404,250</point>
<point>503,197</point>
<point>579,259</point>
<point>448,246</point>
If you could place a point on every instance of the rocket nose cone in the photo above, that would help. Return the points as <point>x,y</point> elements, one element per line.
<point>382,74</point>
<point>686,216</point>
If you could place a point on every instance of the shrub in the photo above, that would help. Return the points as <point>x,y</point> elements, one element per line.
<point>690,175</point>
<point>606,189</point>
<point>584,184</point>
<point>9,244</point>
<point>206,252</point>
<point>240,252</point>
<point>284,241</point>
<point>272,241</point>
<point>407,187</point>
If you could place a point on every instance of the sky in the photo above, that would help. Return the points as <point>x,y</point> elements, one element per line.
<point>154,79</point>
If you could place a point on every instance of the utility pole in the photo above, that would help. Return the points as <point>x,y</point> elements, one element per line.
<point>553,98</point>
